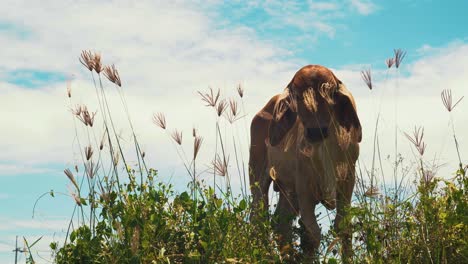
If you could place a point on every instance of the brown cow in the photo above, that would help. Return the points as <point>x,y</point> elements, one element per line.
<point>307,140</point>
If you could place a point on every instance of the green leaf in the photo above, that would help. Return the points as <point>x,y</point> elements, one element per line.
<point>242,205</point>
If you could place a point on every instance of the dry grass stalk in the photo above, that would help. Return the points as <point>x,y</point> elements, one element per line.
<point>76,168</point>
<point>240,90</point>
<point>399,56</point>
<point>367,78</point>
<point>211,99</point>
<point>196,146</point>
<point>90,169</point>
<point>143,154</point>
<point>220,166</point>
<point>71,177</point>
<point>112,74</point>
<point>177,136</point>
<point>88,152</point>
<point>390,62</point>
<point>222,105</point>
<point>417,139</point>
<point>446,96</point>
<point>160,120</point>
<point>86,59</point>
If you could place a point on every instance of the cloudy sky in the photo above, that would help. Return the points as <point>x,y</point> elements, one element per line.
<point>166,52</point>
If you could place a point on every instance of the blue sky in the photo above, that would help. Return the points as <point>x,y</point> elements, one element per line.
<point>167,52</point>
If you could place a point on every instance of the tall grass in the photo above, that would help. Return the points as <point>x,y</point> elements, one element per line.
<point>126,214</point>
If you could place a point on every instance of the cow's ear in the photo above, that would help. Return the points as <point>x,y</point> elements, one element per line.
<point>284,117</point>
<point>345,112</point>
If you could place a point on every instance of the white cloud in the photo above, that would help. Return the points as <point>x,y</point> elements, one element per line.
<point>364,7</point>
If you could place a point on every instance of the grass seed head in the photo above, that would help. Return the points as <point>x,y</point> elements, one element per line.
<point>112,74</point>
<point>390,62</point>
<point>97,62</point>
<point>222,105</point>
<point>86,59</point>
<point>196,146</point>
<point>211,99</point>
<point>399,56</point>
<point>367,77</point>
<point>71,177</point>
<point>417,139</point>
<point>446,96</point>
<point>240,90</point>
<point>88,152</point>
<point>177,136</point>
<point>160,120</point>
<point>220,166</point>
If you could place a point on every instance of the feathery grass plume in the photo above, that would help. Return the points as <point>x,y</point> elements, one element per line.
<point>97,62</point>
<point>112,74</point>
<point>86,59</point>
<point>194,132</point>
<point>233,107</point>
<point>221,107</point>
<point>231,116</point>
<point>446,96</point>
<point>399,56</point>
<point>390,62</point>
<point>82,113</point>
<point>240,90</point>
<point>77,111</point>
<point>220,166</point>
<point>196,146</point>
<point>160,120</point>
<point>367,77</point>
<point>76,168</point>
<point>71,177</point>
<point>88,152</point>
<point>177,136</point>
<point>211,99</point>
<point>88,118</point>
<point>273,174</point>
<point>90,169</point>
<point>417,139</point>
